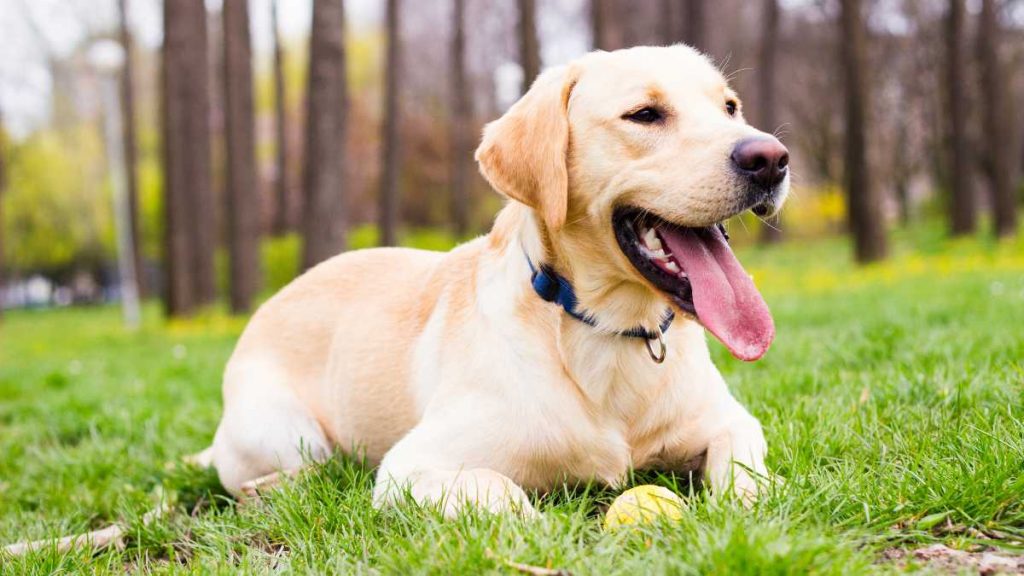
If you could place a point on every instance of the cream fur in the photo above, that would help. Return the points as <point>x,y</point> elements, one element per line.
<point>448,371</point>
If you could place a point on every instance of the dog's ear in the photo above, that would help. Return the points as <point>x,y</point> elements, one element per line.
<point>524,153</point>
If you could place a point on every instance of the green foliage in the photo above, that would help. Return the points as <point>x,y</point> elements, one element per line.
<point>281,259</point>
<point>150,176</point>
<point>282,256</point>
<point>363,60</point>
<point>57,208</point>
<point>367,236</point>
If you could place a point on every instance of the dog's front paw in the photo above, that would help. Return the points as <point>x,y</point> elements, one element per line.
<point>455,492</point>
<point>735,462</point>
<point>747,485</point>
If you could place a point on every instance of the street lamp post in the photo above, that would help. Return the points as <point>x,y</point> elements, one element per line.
<point>107,58</point>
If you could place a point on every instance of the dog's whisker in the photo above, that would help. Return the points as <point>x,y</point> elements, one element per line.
<point>768,223</point>
<point>735,74</point>
<point>725,61</point>
<point>744,224</point>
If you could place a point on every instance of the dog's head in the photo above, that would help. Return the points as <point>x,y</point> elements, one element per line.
<point>631,160</point>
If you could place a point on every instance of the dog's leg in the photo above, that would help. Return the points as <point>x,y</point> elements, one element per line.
<point>453,491</point>
<point>265,430</point>
<point>735,458</point>
<point>425,465</point>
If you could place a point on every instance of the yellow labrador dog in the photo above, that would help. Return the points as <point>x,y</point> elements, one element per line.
<point>545,351</point>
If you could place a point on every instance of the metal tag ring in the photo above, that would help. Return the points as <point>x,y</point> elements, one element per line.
<point>663,349</point>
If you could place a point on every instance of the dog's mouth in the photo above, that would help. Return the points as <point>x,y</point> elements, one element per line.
<point>697,271</point>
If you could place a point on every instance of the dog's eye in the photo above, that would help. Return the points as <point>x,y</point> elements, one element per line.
<point>730,107</point>
<point>646,115</point>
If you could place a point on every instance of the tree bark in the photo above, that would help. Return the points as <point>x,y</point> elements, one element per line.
<point>242,191</point>
<point>598,30</point>
<point>605,27</point>
<point>903,172</point>
<point>865,207</point>
<point>189,226</point>
<point>695,24</point>
<point>282,175</point>
<point>998,166</point>
<point>529,47</point>
<point>206,209</point>
<point>670,22</point>
<point>962,205</point>
<point>130,145</point>
<point>461,120</point>
<point>325,158</point>
<point>771,232</point>
<point>389,199</point>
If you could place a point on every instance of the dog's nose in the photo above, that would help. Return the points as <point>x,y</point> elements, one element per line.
<point>762,159</point>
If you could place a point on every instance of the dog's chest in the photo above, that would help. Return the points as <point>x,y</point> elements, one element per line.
<point>619,416</point>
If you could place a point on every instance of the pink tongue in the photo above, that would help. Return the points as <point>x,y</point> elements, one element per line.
<point>727,302</point>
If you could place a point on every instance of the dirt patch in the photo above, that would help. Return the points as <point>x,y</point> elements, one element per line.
<point>943,558</point>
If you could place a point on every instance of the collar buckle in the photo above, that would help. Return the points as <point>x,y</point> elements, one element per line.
<point>658,357</point>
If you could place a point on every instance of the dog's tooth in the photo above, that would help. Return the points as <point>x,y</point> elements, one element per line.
<point>660,254</point>
<point>651,239</point>
<point>672,267</point>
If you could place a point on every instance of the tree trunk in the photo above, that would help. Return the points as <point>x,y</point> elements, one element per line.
<point>242,190</point>
<point>388,215</point>
<point>865,207</point>
<point>130,146</point>
<point>325,158</point>
<point>606,28</point>
<point>962,205</point>
<point>771,232</point>
<point>189,226</point>
<point>598,26</point>
<point>461,120</point>
<point>695,24</point>
<point>206,208</point>
<point>282,175</point>
<point>903,172</point>
<point>997,136</point>
<point>670,22</point>
<point>529,48</point>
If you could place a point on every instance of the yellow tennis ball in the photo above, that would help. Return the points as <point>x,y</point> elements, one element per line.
<point>642,505</point>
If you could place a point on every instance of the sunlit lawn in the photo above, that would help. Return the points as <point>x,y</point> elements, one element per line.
<point>892,400</point>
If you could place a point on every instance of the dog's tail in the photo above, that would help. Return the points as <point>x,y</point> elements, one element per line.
<point>112,535</point>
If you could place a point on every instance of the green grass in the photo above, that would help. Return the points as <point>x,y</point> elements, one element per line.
<point>892,400</point>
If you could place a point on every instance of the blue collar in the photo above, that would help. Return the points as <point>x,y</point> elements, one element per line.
<point>552,287</point>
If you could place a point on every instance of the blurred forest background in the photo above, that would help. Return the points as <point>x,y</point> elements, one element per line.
<point>260,137</point>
